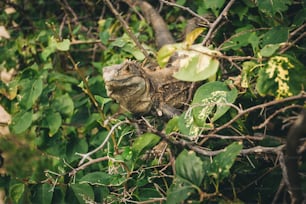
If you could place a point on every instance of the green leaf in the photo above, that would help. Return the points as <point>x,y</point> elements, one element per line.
<point>281,76</point>
<point>16,192</point>
<point>172,125</point>
<point>187,125</point>
<point>275,36</point>
<point>244,36</point>
<point>196,64</point>
<point>223,162</point>
<point>44,194</point>
<point>54,121</point>
<point>269,49</point>
<point>83,192</point>
<point>21,122</point>
<point>102,178</point>
<point>64,45</point>
<point>211,101</point>
<point>189,167</point>
<point>247,73</point>
<point>30,92</point>
<point>145,141</point>
<point>214,5</point>
<point>193,35</point>
<point>179,191</point>
<point>273,7</point>
<point>165,52</point>
<point>64,104</point>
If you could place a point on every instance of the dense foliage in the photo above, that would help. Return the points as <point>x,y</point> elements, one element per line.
<point>70,143</point>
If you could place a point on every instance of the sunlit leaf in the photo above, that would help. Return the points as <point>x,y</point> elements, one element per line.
<point>193,35</point>
<point>269,50</point>
<point>63,45</point>
<point>164,54</point>
<point>211,101</point>
<point>196,64</point>
<point>281,76</point>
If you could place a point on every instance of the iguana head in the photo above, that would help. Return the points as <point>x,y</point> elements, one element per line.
<point>127,84</point>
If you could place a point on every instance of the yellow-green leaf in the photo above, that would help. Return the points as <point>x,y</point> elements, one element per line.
<point>164,54</point>
<point>193,35</point>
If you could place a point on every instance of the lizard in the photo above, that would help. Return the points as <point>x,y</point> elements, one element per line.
<point>141,90</point>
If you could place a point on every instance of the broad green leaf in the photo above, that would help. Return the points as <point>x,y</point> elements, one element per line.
<point>30,92</point>
<point>243,36</point>
<point>102,178</point>
<point>281,76</point>
<point>275,36</point>
<point>196,64</point>
<point>21,122</point>
<point>215,5</point>
<point>164,54</point>
<point>269,49</point>
<point>54,121</point>
<point>83,192</point>
<point>273,7</point>
<point>193,35</point>
<point>179,191</point>
<point>64,104</point>
<point>223,162</point>
<point>189,167</point>
<point>211,101</point>
<point>16,192</point>
<point>63,45</point>
<point>145,141</point>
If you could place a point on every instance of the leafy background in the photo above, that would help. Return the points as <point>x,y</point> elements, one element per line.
<point>68,144</point>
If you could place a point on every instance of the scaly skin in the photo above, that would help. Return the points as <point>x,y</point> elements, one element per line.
<point>141,91</point>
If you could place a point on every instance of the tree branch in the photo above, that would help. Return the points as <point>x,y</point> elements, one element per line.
<point>217,21</point>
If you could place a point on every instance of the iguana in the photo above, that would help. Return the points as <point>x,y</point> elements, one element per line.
<point>141,90</point>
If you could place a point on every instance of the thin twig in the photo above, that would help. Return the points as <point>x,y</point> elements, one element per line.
<point>262,125</point>
<point>88,154</point>
<point>293,43</point>
<point>188,10</point>
<point>127,28</point>
<point>217,21</point>
<point>302,95</point>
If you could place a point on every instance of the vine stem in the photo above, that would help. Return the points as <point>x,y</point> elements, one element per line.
<point>217,21</point>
